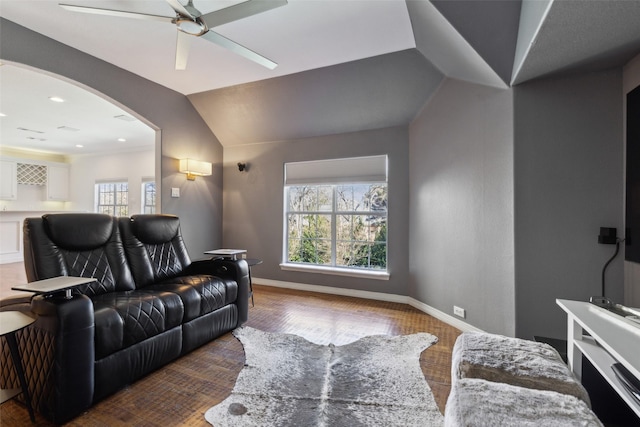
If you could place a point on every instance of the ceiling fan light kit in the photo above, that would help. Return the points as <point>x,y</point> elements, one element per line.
<point>194,28</point>
<point>191,21</point>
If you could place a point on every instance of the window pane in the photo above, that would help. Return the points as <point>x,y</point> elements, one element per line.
<point>294,199</point>
<point>112,198</point>
<point>294,226</point>
<point>361,197</point>
<point>361,254</point>
<point>325,199</point>
<point>379,255</point>
<point>149,197</point>
<point>295,248</point>
<point>377,197</point>
<point>321,226</point>
<point>343,254</point>
<point>350,197</point>
<point>323,251</point>
<point>344,227</point>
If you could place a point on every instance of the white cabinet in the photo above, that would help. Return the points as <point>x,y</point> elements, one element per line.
<point>8,180</point>
<point>58,182</point>
<point>35,181</point>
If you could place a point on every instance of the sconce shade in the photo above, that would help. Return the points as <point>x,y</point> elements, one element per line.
<point>194,168</point>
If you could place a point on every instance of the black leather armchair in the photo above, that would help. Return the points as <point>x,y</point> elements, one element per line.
<point>148,305</point>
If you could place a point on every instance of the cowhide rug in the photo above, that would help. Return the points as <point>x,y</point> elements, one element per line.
<point>289,381</point>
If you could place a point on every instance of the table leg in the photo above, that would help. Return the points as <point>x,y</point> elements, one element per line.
<point>17,363</point>
<point>251,288</point>
<point>574,355</point>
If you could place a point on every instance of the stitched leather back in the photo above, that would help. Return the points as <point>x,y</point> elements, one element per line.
<point>164,259</point>
<point>84,245</point>
<point>154,247</point>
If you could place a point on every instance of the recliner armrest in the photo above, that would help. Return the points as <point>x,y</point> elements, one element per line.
<point>71,322</point>
<point>237,270</point>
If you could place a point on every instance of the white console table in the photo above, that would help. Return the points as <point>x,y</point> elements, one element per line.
<point>610,339</point>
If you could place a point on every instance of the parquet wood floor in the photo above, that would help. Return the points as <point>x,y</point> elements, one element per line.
<point>180,393</point>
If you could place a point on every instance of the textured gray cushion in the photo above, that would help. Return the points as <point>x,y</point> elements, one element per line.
<point>513,361</point>
<point>476,402</point>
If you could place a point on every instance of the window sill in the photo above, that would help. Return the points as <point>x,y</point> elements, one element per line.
<point>350,272</point>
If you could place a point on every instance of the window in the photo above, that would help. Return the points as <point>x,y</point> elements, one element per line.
<point>336,215</point>
<point>149,197</point>
<point>112,198</point>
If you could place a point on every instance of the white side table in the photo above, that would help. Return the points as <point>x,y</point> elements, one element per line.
<point>227,253</point>
<point>55,284</point>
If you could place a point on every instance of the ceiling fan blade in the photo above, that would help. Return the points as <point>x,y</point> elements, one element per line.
<point>118,13</point>
<point>183,45</point>
<point>180,9</point>
<point>239,49</point>
<point>239,11</point>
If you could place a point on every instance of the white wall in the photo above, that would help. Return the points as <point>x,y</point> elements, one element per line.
<point>461,242</point>
<point>132,167</point>
<point>631,80</point>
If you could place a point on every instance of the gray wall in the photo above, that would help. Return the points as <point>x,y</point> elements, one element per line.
<point>568,183</point>
<point>253,202</point>
<point>184,133</point>
<point>461,204</point>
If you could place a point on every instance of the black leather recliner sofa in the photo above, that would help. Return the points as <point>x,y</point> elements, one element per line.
<point>148,305</point>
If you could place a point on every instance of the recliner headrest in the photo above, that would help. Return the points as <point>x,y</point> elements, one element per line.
<point>78,231</point>
<point>155,229</point>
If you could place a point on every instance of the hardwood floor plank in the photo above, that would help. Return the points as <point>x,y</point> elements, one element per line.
<point>181,392</point>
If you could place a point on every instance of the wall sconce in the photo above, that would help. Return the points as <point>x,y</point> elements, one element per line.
<point>194,168</point>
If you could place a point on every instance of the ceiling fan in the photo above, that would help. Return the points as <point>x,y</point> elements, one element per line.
<point>191,22</point>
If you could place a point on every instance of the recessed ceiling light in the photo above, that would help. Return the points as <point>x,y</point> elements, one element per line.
<point>122,140</point>
<point>3,115</point>
<point>79,146</point>
<point>68,128</point>
<point>125,118</point>
<point>56,99</point>
<point>30,130</point>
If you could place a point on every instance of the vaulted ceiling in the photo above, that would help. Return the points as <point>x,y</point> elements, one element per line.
<point>347,65</point>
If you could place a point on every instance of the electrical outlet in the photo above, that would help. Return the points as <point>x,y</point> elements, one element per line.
<point>459,311</point>
<point>175,192</point>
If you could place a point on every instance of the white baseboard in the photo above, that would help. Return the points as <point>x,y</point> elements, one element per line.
<point>378,296</point>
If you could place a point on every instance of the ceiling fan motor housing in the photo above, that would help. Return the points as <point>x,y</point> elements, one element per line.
<point>195,27</point>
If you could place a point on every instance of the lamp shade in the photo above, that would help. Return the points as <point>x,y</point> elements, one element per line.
<point>194,168</point>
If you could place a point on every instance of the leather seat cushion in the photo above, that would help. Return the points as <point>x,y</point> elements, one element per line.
<point>201,293</point>
<point>123,319</point>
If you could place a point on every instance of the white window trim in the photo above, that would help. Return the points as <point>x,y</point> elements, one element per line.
<point>336,271</point>
<point>332,172</point>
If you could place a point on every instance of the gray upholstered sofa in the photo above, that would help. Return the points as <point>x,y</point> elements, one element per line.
<point>149,304</point>
<point>503,381</point>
